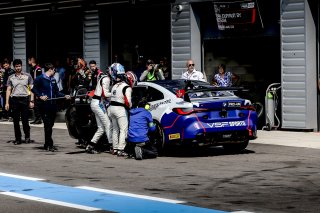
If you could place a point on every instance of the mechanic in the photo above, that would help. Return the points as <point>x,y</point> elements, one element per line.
<point>152,73</point>
<point>19,99</point>
<point>6,115</point>
<point>192,73</point>
<point>35,71</point>
<point>99,105</point>
<point>46,90</point>
<point>140,124</point>
<point>119,109</point>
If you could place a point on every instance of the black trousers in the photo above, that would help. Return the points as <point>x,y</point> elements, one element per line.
<point>36,111</point>
<point>20,108</point>
<point>48,114</point>
<point>148,149</point>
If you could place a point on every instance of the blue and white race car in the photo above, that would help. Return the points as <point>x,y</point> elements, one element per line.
<point>185,112</point>
<point>195,112</point>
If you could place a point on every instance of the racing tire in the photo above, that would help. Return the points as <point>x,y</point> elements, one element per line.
<point>71,122</point>
<point>236,147</point>
<point>158,139</point>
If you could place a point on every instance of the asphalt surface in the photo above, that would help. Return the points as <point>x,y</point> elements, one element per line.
<point>278,172</point>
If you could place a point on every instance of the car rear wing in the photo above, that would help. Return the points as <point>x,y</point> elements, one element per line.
<point>185,93</point>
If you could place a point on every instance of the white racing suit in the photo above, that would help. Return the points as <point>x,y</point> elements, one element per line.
<point>98,106</point>
<point>119,114</point>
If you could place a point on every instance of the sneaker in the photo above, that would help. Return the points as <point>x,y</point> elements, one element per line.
<point>10,119</point>
<point>17,142</point>
<point>122,153</point>
<point>27,140</point>
<point>52,149</point>
<point>138,152</point>
<point>114,152</point>
<point>91,150</point>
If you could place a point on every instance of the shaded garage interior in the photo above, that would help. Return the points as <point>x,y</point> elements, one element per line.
<point>54,36</point>
<point>5,39</point>
<point>251,49</point>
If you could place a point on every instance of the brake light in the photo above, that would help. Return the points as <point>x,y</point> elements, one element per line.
<point>183,111</point>
<point>248,107</point>
<point>187,111</point>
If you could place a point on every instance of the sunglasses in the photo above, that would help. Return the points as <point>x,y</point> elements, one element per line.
<point>189,65</point>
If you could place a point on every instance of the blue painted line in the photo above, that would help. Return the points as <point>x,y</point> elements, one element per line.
<point>104,201</point>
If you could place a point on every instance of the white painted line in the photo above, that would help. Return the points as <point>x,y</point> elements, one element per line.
<point>60,203</point>
<point>21,177</point>
<point>130,194</point>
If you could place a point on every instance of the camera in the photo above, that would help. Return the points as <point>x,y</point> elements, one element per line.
<point>179,8</point>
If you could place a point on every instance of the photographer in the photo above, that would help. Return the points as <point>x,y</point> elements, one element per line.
<point>152,73</point>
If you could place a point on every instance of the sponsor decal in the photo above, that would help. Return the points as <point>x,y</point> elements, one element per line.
<point>226,124</point>
<point>174,136</point>
<point>234,104</point>
<point>155,106</point>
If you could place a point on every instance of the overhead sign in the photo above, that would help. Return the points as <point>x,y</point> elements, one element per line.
<point>235,15</point>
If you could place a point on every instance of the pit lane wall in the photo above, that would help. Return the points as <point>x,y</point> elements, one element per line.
<point>298,66</point>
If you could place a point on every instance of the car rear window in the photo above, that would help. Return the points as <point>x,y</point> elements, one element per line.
<point>178,84</point>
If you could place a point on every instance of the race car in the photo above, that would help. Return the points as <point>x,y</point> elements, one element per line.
<point>197,113</point>
<point>185,112</point>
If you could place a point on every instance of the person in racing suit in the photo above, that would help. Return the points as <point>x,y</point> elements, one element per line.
<point>119,109</point>
<point>99,104</point>
<point>140,125</point>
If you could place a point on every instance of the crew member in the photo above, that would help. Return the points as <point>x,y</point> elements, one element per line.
<point>19,99</point>
<point>119,109</point>
<point>99,104</point>
<point>47,91</point>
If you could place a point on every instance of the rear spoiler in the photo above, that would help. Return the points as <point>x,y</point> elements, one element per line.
<point>184,92</point>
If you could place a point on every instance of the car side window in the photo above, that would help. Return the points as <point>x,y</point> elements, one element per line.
<point>154,94</point>
<point>137,94</point>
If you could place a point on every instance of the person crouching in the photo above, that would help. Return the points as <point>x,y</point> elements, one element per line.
<point>140,125</point>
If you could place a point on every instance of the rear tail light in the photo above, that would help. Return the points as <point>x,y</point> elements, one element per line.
<point>248,107</point>
<point>183,111</point>
<point>187,111</point>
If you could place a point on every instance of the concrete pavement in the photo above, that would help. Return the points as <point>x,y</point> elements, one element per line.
<point>274,137</point>
<point>289,138</point>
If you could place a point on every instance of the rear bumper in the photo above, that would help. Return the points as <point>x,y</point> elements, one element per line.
<point>217,138</point>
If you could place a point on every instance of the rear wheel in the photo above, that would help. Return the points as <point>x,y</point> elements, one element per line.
<point>236,147</point>
<point>157,138</point>
<point>71,122</point>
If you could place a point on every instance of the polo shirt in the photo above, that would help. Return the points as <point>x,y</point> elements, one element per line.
<point>20,84</point>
